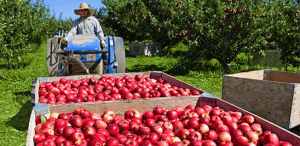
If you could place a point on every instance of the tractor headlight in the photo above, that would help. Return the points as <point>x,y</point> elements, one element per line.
<point>91,57</point>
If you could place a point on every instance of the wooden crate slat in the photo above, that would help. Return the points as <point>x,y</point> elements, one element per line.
<point>285,77</point>
<point>295,111</point>
<point>269,100</point>
<point>257,75</point>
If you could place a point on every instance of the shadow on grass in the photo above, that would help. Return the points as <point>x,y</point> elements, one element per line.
<point>175,53</point>
<point>186,64</point>
<point>4,65</point>
<point>144,68</point>
<point>21,120</point>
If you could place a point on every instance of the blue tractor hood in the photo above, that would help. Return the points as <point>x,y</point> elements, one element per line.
<point>84,42</point>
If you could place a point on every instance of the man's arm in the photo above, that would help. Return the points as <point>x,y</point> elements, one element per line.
<point>72,31</point>
<point>98,31</point>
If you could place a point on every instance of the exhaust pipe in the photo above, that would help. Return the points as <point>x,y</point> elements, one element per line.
<point>82,65</point>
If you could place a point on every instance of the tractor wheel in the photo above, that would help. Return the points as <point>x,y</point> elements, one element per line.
<point>51,59</point>
<point>120,54</point>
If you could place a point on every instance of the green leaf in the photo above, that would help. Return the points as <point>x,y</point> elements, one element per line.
<point>43,119</point>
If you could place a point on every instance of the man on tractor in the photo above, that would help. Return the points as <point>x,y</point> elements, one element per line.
<point>86,24</point>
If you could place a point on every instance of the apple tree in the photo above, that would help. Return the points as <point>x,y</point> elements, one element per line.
<point>156,20</point>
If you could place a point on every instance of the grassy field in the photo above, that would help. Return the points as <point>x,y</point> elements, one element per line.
<point>15,103</point>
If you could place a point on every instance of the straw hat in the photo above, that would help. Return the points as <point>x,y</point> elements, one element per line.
<point>84,6</point>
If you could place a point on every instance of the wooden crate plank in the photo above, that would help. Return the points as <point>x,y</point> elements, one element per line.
<point>266,75</point>
<point>119,107</point>
<point>30,131</point>
<point>155,75</point>
<point>282,133</point>
<point>257,75</point>
<point>36,94</point>
<point>206,101</point>
<point>269,100</point>
<point>285,77</point>
<point>295,110</point>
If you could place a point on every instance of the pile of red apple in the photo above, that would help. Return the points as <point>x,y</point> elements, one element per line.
<point>107,88</point>
<point>190,126</point>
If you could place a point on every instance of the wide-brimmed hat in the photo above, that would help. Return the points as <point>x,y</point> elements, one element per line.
<point>82,7</point>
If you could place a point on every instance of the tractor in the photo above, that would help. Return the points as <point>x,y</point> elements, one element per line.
<point>82,55</point>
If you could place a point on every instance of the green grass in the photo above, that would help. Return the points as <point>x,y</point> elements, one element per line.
<point>15,85</point>
<point>15,103</point>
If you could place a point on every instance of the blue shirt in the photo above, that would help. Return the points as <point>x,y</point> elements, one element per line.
<point>88,26</point>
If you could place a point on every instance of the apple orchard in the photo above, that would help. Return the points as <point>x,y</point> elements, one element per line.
<point>219,29</point>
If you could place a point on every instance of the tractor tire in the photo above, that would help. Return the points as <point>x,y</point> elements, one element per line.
<point>51,59</point>
<point>120,54</point>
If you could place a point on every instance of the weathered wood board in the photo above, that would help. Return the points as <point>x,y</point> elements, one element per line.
<point>269,94</point>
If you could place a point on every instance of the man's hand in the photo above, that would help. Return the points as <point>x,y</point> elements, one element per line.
<point>64,40</point>
<point>103,45</point>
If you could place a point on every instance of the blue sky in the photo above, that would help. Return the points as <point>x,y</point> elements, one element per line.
<point>67,7</point>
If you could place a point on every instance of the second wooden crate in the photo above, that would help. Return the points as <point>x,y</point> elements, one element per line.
<point>273,95</point>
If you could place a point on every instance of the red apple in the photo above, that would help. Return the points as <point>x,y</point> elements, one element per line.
<point>39,138</point>
<point>143,130</point>
<point>271,138</point>
<point>162,143</point>
<point>104,132</point>
<point>193,123</point>
<point>48,132</point>
<point>248,119</point>
<point>257,128</point>
<point>89,131</point>
<point>131,142</point>
<point>244,127</point>
<point>76,136</point>
<point>210,135</point>
<point>49,143</point>
<point>183,133</point>
<point>195,135</point>
<point>149,122</point>
<point>209,143</point>
<point>112,141</point>
<point>59,139</point>
<point>223,137</point>
<point>158,110</point>
<point>113,129</point>
<point>148,115</point>
<point>153,137</point>
<point>38,128</point>
<point>240,141</point>
<point>100,124</point>
<point>222,128</point>
<point>68,131</point>
<point>123,125</point>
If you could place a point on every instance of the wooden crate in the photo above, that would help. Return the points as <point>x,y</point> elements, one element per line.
<point>153,75</point>
<point>147,48</point>
<point>273,95</point>
<point>119,107</point>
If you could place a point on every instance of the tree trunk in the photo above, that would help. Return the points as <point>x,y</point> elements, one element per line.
<point>224,60</point>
